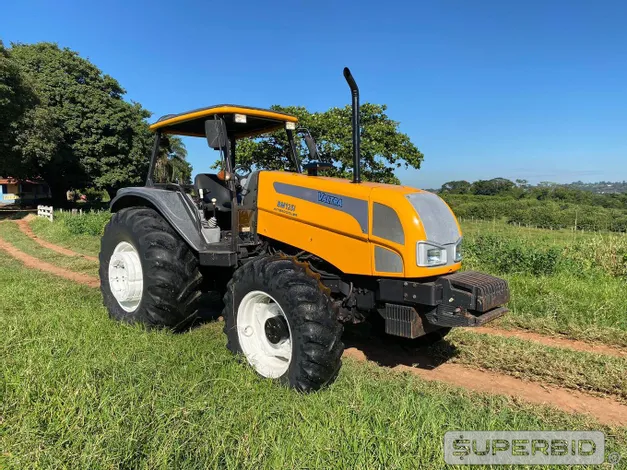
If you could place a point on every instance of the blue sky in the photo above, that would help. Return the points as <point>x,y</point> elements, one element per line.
<point>527,89</point>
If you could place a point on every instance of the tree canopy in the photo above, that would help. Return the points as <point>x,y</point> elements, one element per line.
<point>544,191</point>
<point>79,132</point>
<point>16,97</point>
<point>383,147</point>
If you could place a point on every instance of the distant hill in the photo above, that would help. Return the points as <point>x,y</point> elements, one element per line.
<point>602,187</point>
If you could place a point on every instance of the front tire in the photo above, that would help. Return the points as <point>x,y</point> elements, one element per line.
<point>148,274</point>
<point>278,318</point>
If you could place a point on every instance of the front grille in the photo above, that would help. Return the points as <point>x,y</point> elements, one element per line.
<point>401,320</point>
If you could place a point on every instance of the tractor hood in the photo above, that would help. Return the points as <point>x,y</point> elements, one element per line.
<point>365,228</point>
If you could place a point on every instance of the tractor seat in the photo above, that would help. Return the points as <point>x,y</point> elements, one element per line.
<point>249,190</point>
<point>213,187</point>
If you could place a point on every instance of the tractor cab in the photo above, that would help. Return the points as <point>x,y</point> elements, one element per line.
<point>224,198</point>
<point>223,126</point>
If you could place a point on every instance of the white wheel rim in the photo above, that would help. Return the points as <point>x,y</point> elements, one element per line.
<point>126,278</point>
<point>269,360</point>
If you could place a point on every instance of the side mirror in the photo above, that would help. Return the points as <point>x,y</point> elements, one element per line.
<point>311,145</point>
<point>215,130</point>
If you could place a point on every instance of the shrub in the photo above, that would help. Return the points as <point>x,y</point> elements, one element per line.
<point>547,214</point>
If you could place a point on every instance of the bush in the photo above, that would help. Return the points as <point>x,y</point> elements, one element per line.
<point>538,213</point>
<point>88,223</point>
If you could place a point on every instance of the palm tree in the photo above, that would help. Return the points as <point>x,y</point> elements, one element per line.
<point>171,165</point>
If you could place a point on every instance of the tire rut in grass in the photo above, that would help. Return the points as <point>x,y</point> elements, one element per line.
<point>554,341</point>
<point>26,230</point>
<point>398,357</point>
<point>35,263</point>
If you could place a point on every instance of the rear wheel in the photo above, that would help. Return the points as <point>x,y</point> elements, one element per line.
<point>278,318</point>
<point>148,274</point>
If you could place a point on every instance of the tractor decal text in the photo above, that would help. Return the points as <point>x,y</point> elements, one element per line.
<point>286,208</point>
<point>329,199</point>
<point>286,205</point>
<point>352,206</point>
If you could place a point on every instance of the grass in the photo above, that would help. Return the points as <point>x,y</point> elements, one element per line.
<point>591,310</point>
<point>58,233</point>
<point>80,391</point>
<point>536,236</point>
<point>576,370</point>
<point>582,296</point>
<point>12,234</point>
<point>587,303</point>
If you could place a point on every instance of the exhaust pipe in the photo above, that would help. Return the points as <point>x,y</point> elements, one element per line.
<point>356,134</point>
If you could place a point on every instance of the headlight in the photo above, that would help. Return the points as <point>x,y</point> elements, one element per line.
<point>458,251</point>
<point>428,254</point>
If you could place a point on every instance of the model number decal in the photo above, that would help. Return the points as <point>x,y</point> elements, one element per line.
<point>286,205</point>
<point>329,199</point>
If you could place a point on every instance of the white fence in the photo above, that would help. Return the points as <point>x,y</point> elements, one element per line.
<point>45,211</point>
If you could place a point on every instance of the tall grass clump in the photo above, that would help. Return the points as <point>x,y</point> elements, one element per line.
<point>603,252</point>
<point>503,255</point>
<point>88,223</point>
<point>590,256</point>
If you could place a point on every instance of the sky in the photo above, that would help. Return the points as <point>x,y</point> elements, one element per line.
<point>530,89</point>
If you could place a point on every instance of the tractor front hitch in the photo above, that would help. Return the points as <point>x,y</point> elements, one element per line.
<point>470,298</point>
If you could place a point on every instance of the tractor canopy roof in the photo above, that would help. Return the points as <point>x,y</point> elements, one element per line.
<point>241,121</point>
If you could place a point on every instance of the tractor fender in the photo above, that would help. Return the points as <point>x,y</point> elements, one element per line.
<point>170,204</point>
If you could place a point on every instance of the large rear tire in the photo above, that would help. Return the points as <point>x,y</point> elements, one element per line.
<point>278,318</point>
<point>148,274</point>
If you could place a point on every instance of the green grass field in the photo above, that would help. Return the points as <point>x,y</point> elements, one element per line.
<point>582,296</point>
<point>80,391</point>
<point>11,233</point>
<point>59,234</point>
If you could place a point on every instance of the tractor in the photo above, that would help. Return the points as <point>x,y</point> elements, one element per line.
<point>296,254</point>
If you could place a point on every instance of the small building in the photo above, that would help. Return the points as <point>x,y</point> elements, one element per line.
<point>14,191</point>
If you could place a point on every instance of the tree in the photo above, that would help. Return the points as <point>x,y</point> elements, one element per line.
<point>456,187</point>
<point>383,147</point>
<point>81,133</point>
<point>492,187</point>
<point>171,164</point>
<point>16,97</point>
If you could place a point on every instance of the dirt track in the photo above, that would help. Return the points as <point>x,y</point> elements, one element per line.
<point>605,410</point>
<point>553,341</point>
<point>26,230</point>
<point>35,263</point>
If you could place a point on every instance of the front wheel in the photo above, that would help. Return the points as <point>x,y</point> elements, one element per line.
<point>278,318</point>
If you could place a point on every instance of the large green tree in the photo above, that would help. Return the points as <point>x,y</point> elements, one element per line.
<point>82,133</point>
<point>383,147</point>
<point>16,97</point>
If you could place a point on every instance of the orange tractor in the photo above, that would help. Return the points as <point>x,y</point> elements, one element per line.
<point>295,253</point>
